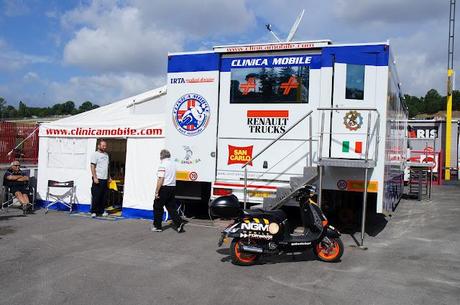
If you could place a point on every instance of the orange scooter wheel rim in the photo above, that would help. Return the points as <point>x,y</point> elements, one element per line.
<point>242,256</point>
<point>328,253</point>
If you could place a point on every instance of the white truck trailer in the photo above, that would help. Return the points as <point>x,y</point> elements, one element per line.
<point>259,120</point>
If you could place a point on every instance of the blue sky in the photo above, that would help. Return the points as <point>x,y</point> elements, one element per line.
<point>103,50</point>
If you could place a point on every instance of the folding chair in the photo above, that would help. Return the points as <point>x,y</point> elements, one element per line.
<point>69,194</point>
<point>7,197</point>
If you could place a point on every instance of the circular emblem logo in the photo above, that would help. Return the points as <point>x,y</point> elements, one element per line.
<point>341,185</point>
<point>193,176</point>
<point>353,120</point>
<point>191,114</point>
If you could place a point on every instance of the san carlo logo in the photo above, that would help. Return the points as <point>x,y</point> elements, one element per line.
<point>191,114</point>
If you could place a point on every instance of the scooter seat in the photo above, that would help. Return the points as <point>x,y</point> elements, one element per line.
<point>275,215</point>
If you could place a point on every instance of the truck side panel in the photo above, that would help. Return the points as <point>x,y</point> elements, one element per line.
<point>191,114</point>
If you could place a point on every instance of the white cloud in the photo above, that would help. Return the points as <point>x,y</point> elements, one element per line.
<point>206,18</point>
<point>390,11</point>
<point>136,37</point>
<point>31,76</point>
<point>422,61</point>
<point>11,60</point>
<point>12,8</point>
<point>119,42</point>
<point>102,89</point>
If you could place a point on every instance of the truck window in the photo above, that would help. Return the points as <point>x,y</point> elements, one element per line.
<point>270,85</point>
<point>355,82</point>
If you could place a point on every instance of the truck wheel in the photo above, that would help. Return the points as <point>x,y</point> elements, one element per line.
<point>331,253</point>
<point>239,257</point>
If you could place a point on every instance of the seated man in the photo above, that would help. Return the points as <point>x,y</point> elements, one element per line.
<point>17,182</point>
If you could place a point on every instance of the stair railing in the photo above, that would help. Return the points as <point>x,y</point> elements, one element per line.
<point>370,134</point>
<point>309,160</point>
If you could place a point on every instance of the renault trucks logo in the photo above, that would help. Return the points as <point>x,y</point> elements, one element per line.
<point>267,121</point>
<point>239,155</point>
<point>353,120</point>
<point>191,114</point>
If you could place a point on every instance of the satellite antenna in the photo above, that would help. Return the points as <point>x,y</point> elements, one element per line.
<point>295,26</point>
<point>291,32</point>
<point>269,28</point>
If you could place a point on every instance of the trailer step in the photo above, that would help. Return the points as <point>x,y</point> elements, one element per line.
<point>356,163</point>
<point>284,195</point>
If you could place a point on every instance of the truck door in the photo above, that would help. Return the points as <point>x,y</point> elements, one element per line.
<point>353,95</point>
<point>191,121</point>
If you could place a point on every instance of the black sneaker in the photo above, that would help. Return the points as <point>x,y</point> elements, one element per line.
<point>180,228</point>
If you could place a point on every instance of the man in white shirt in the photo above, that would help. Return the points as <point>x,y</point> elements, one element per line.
<point>100,176</point>
<point>165,193</point>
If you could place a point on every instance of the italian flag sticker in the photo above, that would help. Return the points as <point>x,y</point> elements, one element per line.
<point>358,147</point>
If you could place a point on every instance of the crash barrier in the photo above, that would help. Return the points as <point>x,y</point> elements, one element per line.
<point>18,141</point>
<point>428,155</point>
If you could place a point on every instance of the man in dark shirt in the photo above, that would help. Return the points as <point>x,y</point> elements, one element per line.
<point>17,182</point>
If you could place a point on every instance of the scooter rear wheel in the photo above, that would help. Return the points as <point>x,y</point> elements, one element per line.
<point>331,253</point>
<point>240,257</point>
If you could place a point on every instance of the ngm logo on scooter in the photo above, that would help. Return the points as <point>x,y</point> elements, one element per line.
<point>258,230</point>
<point>191,114</point>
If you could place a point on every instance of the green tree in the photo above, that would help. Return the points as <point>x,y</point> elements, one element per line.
<point>433,102</point>
<point>86,106</point>
<point>68,107</point>
<point>23,110</point>
<point>11,112</point>
<point>2,108</point>
<point>56,109</point>
<point>414,104</point>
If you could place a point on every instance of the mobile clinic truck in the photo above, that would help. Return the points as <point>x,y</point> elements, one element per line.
<point>336,109</point>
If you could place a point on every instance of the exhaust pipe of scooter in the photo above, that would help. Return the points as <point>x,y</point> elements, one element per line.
<point>251,249</point>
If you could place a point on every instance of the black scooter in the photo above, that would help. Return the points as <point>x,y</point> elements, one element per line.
<point>258,232</point>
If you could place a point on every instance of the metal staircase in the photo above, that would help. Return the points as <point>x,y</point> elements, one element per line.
<point>285,194</point>
<point>312,173</point>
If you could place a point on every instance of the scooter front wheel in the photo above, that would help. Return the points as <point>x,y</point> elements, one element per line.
<point>329,252</point>
<point>240,257</point>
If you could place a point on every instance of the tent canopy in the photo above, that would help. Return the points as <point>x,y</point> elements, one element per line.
<point>139,112</point>
<point>67,144</point>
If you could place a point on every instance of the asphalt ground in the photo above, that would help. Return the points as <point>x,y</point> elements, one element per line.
<point>62,259</point>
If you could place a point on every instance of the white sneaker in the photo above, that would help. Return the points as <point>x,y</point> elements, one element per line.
<point>154,229</point>
<point>93,215</point>
<point>105,214</point>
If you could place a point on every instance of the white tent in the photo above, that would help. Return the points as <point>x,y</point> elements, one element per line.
<point>66,146</point>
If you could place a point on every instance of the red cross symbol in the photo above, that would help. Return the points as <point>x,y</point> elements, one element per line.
<point>291,84</point>
<point>251,84</point>
<point>190,104</point>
